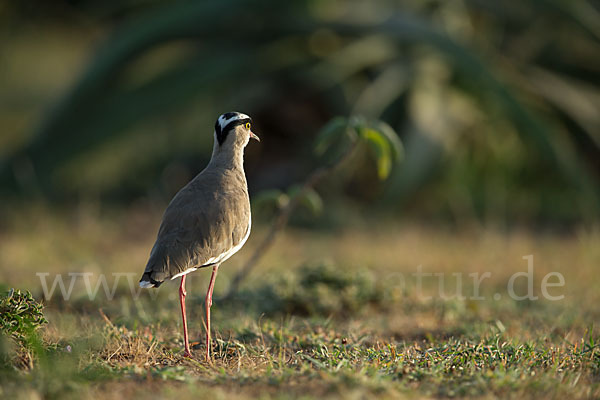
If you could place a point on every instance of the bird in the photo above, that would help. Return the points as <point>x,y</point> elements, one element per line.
<point>208,220</point>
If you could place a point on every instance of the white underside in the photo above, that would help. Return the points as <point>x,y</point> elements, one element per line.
<point>187,271</point>
<point>213,260</point>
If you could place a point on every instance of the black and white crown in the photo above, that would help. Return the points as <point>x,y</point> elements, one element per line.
<point>226,122</point>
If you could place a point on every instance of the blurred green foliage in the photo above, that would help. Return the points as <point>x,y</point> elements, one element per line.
<point>340,136</point>
<point>497,104</point>
<point>335,145</point>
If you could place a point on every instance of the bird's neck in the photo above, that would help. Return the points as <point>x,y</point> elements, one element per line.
<point>227,158</point>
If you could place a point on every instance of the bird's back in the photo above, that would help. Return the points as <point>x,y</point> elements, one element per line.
<point>207,221</point>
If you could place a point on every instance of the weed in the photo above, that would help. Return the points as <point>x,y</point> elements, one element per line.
<point>20,315</point>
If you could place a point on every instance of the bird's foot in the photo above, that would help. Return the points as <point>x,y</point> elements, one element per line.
<point>187,354</point>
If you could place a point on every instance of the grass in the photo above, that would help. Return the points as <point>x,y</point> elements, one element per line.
<point>326,314</point>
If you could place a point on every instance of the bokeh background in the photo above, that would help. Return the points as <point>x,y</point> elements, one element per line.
<point>497,104</point>
<point>107,109</point>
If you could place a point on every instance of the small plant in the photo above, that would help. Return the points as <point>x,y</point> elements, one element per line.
<point>20,315</point>
<point>312,290</point>
<point>324,289</point>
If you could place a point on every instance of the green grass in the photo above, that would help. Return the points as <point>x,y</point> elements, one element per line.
<point>324,315</point>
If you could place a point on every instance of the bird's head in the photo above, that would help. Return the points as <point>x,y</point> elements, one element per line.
<point>233,129</point>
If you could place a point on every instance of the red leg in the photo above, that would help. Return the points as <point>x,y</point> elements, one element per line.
<point>208,303</point>
<point>182,294</point>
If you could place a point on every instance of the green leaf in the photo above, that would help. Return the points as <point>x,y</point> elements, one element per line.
<point>309,199</point>
<point>271,198</point>
<point>393,139</point>
<point>329,134</point>
<point>335,140</point>
<point>381,149</point>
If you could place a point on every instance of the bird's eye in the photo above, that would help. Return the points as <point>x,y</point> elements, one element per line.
<point>248,125</point>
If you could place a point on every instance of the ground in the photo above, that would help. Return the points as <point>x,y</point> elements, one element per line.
<point>327,313</point>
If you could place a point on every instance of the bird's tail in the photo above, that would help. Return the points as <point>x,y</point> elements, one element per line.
<point>167,263</point>
<point>154,275</point>
<point>148,282</point>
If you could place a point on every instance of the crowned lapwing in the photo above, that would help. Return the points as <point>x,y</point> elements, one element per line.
<point>208,220</point>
